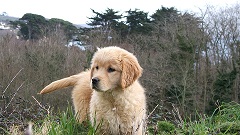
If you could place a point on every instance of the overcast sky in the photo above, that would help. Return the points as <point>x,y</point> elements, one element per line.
<point>77,11</point>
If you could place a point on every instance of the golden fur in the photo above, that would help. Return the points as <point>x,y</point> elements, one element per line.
<point>109,93</point>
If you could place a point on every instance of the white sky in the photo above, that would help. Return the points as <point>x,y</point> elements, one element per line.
<point>77,11</point>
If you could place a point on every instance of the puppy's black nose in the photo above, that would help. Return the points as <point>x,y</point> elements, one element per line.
<point>95,81</point>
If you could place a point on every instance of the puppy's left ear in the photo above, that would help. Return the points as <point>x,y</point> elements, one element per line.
<point>131,70</point>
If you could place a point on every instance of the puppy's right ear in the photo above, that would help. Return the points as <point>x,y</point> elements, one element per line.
<point>131,70</point>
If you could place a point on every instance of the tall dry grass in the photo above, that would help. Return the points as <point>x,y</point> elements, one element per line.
<point>36,64</point>
<point>26,67</point>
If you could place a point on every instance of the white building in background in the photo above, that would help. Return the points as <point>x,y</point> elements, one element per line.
<point>4,26</point>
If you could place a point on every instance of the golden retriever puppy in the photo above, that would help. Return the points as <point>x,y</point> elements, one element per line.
<point>109,92</point>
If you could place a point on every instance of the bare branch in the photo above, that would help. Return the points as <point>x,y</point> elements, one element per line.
<point>12,80</point>
<point>13,97</point>
<point>46,109</point>
<point>152,111</point>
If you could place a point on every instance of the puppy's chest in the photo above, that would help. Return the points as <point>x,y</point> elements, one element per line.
<point>117,106</point>
<point>123,113</point>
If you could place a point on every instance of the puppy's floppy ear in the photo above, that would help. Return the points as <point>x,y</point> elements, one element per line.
<point>131,70</point>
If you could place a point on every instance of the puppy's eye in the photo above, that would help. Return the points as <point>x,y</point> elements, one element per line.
<point>111,70</point>
<point>97,67</point>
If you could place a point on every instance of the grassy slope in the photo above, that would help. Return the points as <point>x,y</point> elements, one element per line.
<point>225,120</point>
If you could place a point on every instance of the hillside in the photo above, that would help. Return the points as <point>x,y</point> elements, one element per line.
<point>7,18</point>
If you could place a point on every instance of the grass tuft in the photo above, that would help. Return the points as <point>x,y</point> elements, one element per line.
<point>62,124</point>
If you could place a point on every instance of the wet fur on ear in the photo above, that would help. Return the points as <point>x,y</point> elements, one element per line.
<point>131,70</point>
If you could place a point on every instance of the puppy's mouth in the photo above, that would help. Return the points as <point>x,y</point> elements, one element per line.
<point>99,90</point>
<point>96,84</point>
<point>95,87</point>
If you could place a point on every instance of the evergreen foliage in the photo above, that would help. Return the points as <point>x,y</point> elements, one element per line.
<point>34,27</point>
<point>138,22</point>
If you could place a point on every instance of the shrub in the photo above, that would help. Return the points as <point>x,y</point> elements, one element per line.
<point>165,126</point>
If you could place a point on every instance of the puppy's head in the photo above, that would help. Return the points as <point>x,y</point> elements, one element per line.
<point>113,67</point>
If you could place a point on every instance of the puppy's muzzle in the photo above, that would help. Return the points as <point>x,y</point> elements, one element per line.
<point>95,82</point>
